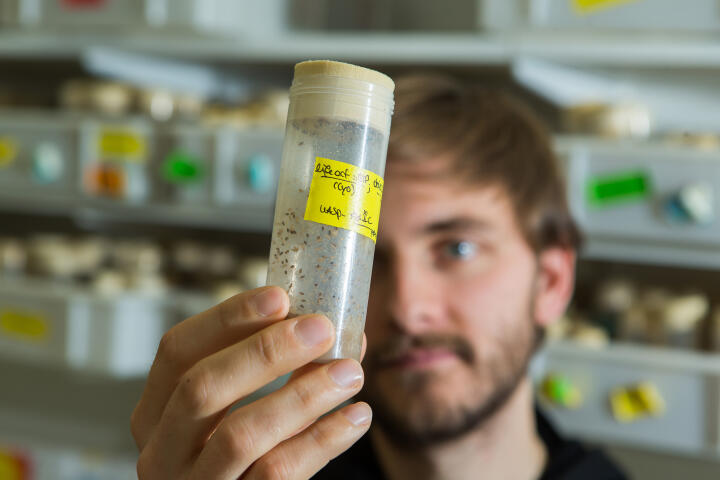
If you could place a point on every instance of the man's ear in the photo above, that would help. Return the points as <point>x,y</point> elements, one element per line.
<point>555,284</point>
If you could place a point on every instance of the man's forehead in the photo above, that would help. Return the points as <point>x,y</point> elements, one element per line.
<point>423,168</point>
<point>418,202</point>
<point>436,179</point>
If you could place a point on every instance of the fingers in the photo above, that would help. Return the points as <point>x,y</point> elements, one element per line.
<point>197,337</point>
<point>311,366</point>
<point>304,455</point>
<point>255,429</point>
<point>216,382</point>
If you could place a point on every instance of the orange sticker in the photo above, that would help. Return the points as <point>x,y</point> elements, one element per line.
<point>106,180</point>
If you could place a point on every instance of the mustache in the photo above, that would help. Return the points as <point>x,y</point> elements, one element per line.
<point>395,348</point>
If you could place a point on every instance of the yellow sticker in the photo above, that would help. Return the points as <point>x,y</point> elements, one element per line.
<point>8,151</point>
<point>345,196</point>
<point>589,6</point>
<point>23,325</point>
<point>121,144</point>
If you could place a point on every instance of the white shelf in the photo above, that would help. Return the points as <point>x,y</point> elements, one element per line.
<point>380,48</point>
<point>689,383</point>
<point>62,326</point>
<point>94,211</point>
<point>635,231</point>
<point>632,50</point>
<point>470,49</point>
<point>622,250</point>
<point>670,359</point>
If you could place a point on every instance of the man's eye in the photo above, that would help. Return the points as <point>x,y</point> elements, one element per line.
<point>460,250</point>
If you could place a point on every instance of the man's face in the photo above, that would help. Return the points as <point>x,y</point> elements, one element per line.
<point>449,323</point>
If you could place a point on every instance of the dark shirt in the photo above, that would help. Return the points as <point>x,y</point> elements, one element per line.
<point>567,460</point>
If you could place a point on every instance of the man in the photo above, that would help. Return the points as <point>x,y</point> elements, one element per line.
<point>475,258</point>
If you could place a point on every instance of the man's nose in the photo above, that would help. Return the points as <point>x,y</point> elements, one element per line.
<point>415,296</point>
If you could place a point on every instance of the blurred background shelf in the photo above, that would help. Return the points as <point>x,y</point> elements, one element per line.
<point>440,49</point>
<point>234,188</point>
<point>687,382</point>
<point>648,225</point>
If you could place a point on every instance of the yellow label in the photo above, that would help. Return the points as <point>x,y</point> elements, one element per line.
<point>8,150</point>
<point>345,196</point>
<point>119,143</point>
<point>588,6</point>
<point>23,325</point>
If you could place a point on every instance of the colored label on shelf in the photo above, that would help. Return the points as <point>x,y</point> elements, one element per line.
<point>24,325</point>
<point>105,180</point>
<point>14,466</point>
<point>610,189</point>
<point>8,151</point>
<point>47,163</point>
<point>121,144</point>
<point>181,167</point>
<point>559,390</point>
<point>638,401</point>
<point>345,196</point>
<point>590,6</point>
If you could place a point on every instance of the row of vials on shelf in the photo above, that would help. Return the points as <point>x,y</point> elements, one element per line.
<point>111,266</point>
<point>623,310</point>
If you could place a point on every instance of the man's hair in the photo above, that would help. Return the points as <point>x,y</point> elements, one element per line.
<point>492,140</point>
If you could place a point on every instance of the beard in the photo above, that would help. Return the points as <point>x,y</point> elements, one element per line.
<point>420,409</point>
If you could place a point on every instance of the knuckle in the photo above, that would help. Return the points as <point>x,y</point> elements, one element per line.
<point>267,348</point>
<point>272,467</point>
<point>235,442</point>
<point>322,436</point>
<point>232,310</point>
<point>304,396</point>
<point>169,351</point>
<point>193,390</point>
<point>135,424</point>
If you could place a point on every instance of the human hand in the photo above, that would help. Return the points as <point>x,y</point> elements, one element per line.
<point>182,424</point>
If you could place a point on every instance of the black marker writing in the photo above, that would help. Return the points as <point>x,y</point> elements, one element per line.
<point>346,175</point>
<point>362,219</point>
<point>350,189</point>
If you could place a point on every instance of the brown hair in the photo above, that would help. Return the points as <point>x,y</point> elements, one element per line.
<point>492,140</point>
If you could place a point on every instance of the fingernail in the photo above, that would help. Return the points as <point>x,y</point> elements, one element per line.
<point>267,302</point>
<point>313,330</point>
<point>358,413</point>
<point>345,373</point>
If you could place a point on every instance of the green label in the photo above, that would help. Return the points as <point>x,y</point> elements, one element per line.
<point>618,188</point>
<point>182,167</point>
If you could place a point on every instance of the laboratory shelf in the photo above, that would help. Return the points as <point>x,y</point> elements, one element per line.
<point>644,219</point>
<point>631,230</point>
<point>688,383</point>
<point>242,218</point>
<point>62,165</point>
<point>68,327</point>
<point>612,49</point>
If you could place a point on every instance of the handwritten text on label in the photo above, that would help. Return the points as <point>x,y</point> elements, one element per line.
<point>345,196</point>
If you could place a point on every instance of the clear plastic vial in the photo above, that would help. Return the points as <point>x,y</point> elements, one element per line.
<point>329,192</point>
